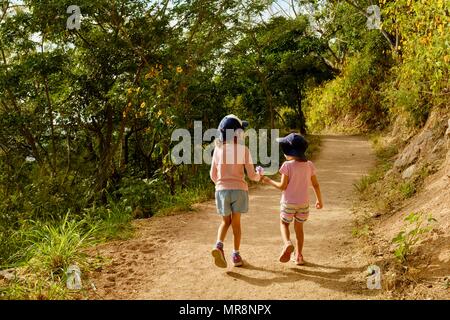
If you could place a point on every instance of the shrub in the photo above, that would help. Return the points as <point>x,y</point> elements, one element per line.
<point>349,103</point>
<point>141,193</point>
<point>407,189</point>
<point>416,226</point>
<point>420,78</point>
<point>52,248</point>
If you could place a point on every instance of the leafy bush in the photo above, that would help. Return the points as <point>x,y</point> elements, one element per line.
<point>142,193</point>
<point>420,78</point>
<point>112,221</point>
<point>380,84</point>
<point>349,103</point>
<point>407,189</point>
<point>416,226</point>
<point>288,118</point>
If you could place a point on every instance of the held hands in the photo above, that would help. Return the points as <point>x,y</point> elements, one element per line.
<point>260,171</point>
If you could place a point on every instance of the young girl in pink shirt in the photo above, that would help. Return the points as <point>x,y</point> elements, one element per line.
<point>297,173</point>
<point>229,159</point>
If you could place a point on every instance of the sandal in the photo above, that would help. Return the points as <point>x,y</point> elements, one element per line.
<point>286,253</point>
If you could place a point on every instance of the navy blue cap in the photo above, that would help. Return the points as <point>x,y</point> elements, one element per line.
<point>231,122</point>
<point>294,145</point>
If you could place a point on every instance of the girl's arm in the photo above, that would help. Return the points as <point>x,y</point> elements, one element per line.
<point>282,185</point>
<point>316,186</point>
<point>213,170</point>
<point>249,167</point>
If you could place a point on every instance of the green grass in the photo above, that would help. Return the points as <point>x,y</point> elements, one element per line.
<point>34,289</point>
<point>46,249</point>
<point>185,198</point>
<point>112,222</point>
<point>52,248</point>
<point>364,183</point>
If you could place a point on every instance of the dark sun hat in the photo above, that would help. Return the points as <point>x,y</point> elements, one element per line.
<point>231,122</point>
<point>294,145</point>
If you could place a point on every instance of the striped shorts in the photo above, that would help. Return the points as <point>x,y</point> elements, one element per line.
<point>289,212</point>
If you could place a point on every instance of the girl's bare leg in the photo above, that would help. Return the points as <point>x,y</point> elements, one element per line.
<point>288,246</point>
<point>236,225</point>
<point>298,226</point>
<point>223,228</point>
<point>285,234</point>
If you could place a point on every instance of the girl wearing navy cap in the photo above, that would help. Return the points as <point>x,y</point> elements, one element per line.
<point>297,173</point>
<point>229,160</point>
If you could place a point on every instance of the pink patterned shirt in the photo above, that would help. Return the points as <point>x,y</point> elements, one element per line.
<point>299,175</point>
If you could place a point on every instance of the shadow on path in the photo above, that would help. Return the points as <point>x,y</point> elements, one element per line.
<point>334,278</point>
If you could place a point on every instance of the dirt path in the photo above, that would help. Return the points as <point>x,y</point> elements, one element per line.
<point>170,257</point>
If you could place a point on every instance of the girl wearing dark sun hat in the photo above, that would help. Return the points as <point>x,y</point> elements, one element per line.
<point>297,173</point>
<point>231,188</point>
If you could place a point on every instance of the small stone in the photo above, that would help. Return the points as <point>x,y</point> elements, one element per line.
<point>409,172</point>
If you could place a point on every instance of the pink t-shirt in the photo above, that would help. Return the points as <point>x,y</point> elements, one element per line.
<point>227,167</point>
<point>299,175</point>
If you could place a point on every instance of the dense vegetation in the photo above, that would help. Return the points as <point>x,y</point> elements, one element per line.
<point>87,115</point>
<point>397,74</point>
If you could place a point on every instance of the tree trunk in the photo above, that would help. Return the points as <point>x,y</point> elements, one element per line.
<point>301,115</point>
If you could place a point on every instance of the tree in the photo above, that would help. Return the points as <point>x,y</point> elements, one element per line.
<point>273,64</point>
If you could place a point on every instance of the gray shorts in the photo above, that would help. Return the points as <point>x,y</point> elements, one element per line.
<point>231,201</point>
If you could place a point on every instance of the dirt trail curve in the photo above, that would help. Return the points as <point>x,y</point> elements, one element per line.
<point>170,256</point>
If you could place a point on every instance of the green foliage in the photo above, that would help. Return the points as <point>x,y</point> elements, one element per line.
<point>34,289</point>
<point>407,189</point>
<point>111,222</point>
<point>288,118</point>
<point>54,247</point>
<point>86,116</point>
<point>271,67</point>
<point>45,252</point>
<point>421,79</point>
<point>417,225</point>
<point>350,103</point>
<point>142,193</point>
<point>401,73</point>
<point>313,145</point>
<point>366,181</point>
